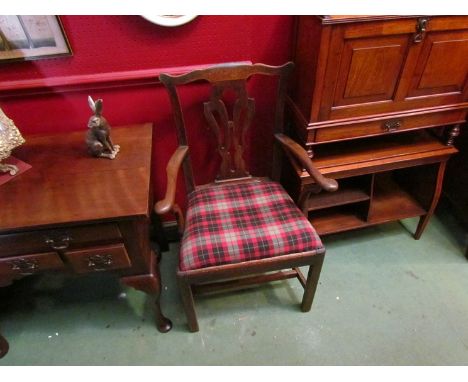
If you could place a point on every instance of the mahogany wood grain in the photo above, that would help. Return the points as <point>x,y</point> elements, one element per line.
<point>66,185</point>
<point>20,266</point>
<point>340,159</point>
<point>372,66</point>
<point>435,199</point>
<point>172,170</point>
<point>346,196</point>
<point>50,239</point>
<point>98,259</point>
<point>390,125</point>
<point>302,157</point>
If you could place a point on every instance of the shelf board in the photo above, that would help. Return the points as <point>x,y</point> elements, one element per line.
<point>332,221</point>
<point>390,203</point>
<point>340,197</point>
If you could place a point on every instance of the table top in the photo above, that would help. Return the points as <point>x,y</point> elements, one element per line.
<point>67,186</point>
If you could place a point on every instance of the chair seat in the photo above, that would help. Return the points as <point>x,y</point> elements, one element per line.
<point>233,223</point>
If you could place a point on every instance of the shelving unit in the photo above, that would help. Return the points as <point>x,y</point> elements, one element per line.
<point>379,181</point>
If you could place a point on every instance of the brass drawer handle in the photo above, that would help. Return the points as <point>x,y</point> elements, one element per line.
<point>25,267</point>
<point>392,125</point>
<point>100,262</point>
<point>421,27</point>
<point>59,244</point>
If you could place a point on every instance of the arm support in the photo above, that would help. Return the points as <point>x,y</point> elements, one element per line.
<point>166,205</point>
<point>300,154</point>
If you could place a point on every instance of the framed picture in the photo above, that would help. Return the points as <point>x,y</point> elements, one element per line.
<point>32,38</point>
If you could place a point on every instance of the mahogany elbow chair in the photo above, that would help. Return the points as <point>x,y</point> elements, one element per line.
<point>239,230</point>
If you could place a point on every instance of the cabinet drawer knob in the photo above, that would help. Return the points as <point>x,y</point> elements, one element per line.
<point>23,266</point>
<point>421,27</point>
<point>392,125</point>
<point>59,244</point>
<point>100,262</point>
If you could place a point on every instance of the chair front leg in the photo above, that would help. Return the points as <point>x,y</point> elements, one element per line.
<point>189,304</point>
<point>312,282</point>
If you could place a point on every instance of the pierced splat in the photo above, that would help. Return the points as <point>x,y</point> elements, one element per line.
<point>230,133</point>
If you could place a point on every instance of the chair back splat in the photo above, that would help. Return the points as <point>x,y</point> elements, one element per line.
<point>230,132</point>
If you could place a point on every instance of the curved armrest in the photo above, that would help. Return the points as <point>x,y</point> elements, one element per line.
<point>300,154</point>
<point>166,205</point>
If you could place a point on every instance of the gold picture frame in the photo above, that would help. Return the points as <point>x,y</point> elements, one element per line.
<point>24,38</point>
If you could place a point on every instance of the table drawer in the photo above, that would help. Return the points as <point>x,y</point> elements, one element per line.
<point>58,239</point>
<point>385,126</point>
<point>29,264</point>
<point>100,258</point>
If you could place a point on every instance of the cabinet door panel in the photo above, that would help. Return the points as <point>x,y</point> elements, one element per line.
<point>364,71</point>
<point>442,66</point>
<point>369,69</point>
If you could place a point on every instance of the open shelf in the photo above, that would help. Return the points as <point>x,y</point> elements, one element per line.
<point>335,220</point>
<point>351,190</point>
<point>327,200</point>
<point>390,202</point>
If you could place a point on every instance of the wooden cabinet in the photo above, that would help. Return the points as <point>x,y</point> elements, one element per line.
<point>380,68</point>
<point>378,80</point>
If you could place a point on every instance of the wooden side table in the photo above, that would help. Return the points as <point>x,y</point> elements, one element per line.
<point>74,213</point>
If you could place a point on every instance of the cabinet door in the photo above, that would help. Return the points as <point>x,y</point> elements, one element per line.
<point>364,67</point>
<point>388,66</point>
<point>370,69</point>
<point>441,68</point>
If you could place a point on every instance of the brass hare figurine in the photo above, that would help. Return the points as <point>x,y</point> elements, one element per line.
<point>98,137</point>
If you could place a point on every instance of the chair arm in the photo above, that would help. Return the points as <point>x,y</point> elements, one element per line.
<point>302,157</point>
<point>166,205</point>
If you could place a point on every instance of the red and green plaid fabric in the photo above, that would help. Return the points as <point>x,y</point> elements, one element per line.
<point>247,221</point>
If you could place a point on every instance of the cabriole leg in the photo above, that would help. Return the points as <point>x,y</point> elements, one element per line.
<point>151,284</point>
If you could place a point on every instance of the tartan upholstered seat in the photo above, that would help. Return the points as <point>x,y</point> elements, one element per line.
<point>240,222</point>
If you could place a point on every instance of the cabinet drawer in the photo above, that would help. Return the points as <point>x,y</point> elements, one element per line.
<point>58,239</point>
<point>29,264</point>
<point>385,126</point>
<point>100,258</point>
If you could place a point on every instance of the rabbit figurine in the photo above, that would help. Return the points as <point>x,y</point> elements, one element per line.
<point>98,137</point>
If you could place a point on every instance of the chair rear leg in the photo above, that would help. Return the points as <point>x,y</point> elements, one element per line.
<point>189,305</point>
<point>311,284</point>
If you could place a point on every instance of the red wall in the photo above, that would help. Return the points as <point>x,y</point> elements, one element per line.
<point>108,44</point>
